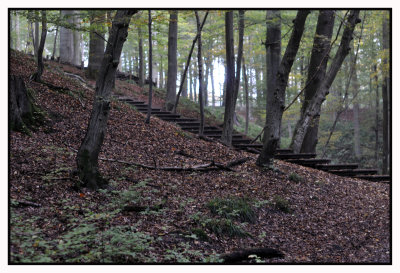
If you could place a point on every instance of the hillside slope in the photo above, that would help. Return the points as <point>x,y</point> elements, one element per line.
<point>156,216</point>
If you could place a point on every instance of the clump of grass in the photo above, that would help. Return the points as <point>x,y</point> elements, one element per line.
<point>201,234</point>
<point>233,208</point>
<point>296,178</point>
<point>225,227</point>
<point>281,204</point>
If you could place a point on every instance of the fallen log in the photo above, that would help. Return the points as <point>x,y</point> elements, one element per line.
<point>24,203</point>
<point>242,255</point>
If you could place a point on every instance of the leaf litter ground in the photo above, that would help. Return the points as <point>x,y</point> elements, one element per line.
<point>331,219</point>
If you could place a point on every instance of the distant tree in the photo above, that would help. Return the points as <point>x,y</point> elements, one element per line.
<point>96,41</point>
<point>276,96</point>
<point>87,157</point>
<point>172,60</point>
<point>141,57</point>
<point>150,71</point>
<point>200,68</point>
<point>37,76</point>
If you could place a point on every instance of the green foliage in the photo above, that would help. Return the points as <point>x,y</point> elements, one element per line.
<point>281,204</point>
<point>296,178</point>
<point>200,233</point>
<point>225,227</point>
<point>233,208</point>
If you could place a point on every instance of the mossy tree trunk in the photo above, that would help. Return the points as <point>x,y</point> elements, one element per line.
<point>37,77</point>
<point>87,158</point>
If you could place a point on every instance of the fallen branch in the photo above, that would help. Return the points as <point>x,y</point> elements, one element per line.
<point>258,136</point>
<point>24,203</point>
<point>239,256</point>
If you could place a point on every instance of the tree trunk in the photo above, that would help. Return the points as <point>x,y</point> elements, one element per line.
<point>87,158</point>
<point>314,107</point>
<point>150,72</point>
<point>17,32</point>
<point>356,109</point>
<point>36,44</point>
<point>316,73</point>
<point>184,88</point>
<point>66,38</point>
<point>386,97</point>
<point>246,90</point>
<point>161,84</point>
<point>226,137</point>
<point>54,45</point>
<point>141,58</point>
<point>212,84</point>
<point>190,83</point>
<point>37,77</point>
<point>376,86</point>
<point>172,60</point>
<point>96,43</point>
<point>200,68</point>
<point>77,37</point>
<point>276,96</point>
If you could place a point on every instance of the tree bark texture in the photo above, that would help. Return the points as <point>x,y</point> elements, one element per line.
<point>87,157</point>
<point>66,38</point>
<point>226,136</point>
<point>276,96</point>
<point>141,57</point>
<point>246,90</point>
<point>316,73</point>
<point>314,107</point>
<point>172,60</point>
<point>37,77</point>
<point>96,43</point>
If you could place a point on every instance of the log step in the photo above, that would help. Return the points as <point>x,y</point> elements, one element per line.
<point>309,162</point>
<point>152,110</point>
<point>195,129</point>
<point>284,151</point>
<point>325,167</point>
<point>135,102</point>
<point>162,116</point>
<point>235,137</point>
<point>252,145</point>
<point>295,156</point>
<point>375,178</point>
<point>354,172</point>
<point>241,141</point>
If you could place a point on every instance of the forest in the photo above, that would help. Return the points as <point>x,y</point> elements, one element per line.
<point>200,136</point>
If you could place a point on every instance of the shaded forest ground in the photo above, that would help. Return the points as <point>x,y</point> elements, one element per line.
<point>154,216</point>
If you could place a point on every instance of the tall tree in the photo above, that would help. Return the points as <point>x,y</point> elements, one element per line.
<point>200,66</point>
<point>246,90</point>
<point>276,96</point>
<point>96,42</point>
<point>316,73</point>
<point>273,56</point>
<point>232,88</point>
<point>386,96</point>
<point>141,57</point>
<point>37,30</point>
<point>87,157</point>
<point>314,107</point>
<point>150,71</point>
<point>40,66</point>
<point>172,60</point>
<point>66,38</point>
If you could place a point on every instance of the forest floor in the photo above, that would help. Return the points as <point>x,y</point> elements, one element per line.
<point>156,216</point>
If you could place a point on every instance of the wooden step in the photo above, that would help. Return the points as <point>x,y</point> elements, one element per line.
<point>309,162</point>
<point>234,137</point>
<point>375,178</point>
<point>327,167</point>
<point>162,116</point>
<point>354,172</point>
<point>295,156</point>
<point>250,145</point>
<point>135,102</point>
<point>152,110</point>
<point>189,123</point>
<point>195,129</point>
<point>241,141</point>
<point>284,151</point>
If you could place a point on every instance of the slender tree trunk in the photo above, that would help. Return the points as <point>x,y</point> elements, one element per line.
<point>200,68</point>
<point>356,121</point>
<point>190,83</point>
<point>54,45</point>
<point>141,58</point>
<point>376,86</point>
<point>316,73</point>
<point>246,90</point>
<point>77,37</point>
<point>150,72</point>
<point>184,88</point>
<point>161,73</point>
<point>37,77</point>
<point>66,38</point>
<point>188,63</point>
<point>36,44</point>
<point>276,96</point>
<point>212,84</point>
<point>87,158</point>
<point>232,92</point>
<point>386,99</point>
<point>314,106</point>
<point>226,137</point>
<point>172,60</point>
<point>17,32</point>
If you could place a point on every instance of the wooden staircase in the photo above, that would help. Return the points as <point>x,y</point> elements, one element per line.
<point>242,142</point>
